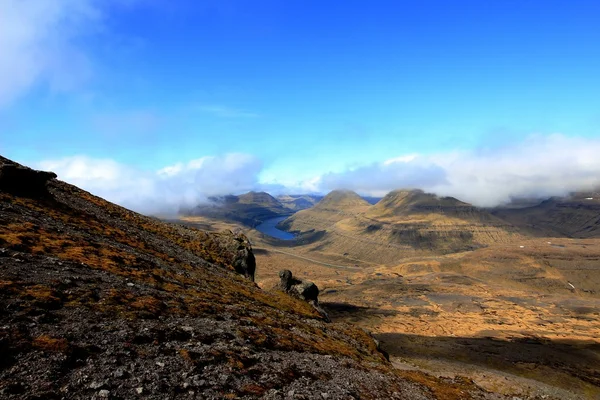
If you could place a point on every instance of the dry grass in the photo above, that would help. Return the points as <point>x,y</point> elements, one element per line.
<point>456,389</point>
<point>51,345</point>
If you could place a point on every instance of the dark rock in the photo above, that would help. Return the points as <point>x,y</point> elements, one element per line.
<point>120,373</point>
<point>285,280</point>
<point>304,290</point>
<point>240,253</point>
<point>245,263</point>
<point>23,181</point>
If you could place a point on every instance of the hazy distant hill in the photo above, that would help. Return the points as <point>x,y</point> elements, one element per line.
<point>577,216</point>
<point>403,223</point>
<point>299,202</point>
<point>250,209</point>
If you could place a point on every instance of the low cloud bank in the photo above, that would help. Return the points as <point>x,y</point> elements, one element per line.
<point>164,191</point>
<point>540,166</point>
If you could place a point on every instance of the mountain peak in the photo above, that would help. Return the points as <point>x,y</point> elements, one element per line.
<point>262,198</point>
<point>406,201</point>
<point>341,199</point>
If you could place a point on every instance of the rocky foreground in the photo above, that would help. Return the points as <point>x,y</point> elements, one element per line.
<point>97,301</point>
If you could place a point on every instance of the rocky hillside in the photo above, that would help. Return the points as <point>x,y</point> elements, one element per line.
<point>100,302</point>
<point>250,209</point>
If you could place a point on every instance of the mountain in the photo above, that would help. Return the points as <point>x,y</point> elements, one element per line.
<point>262,199</point>
<point>404,203</point>
<point>332,208</point>
<point>341,199</point>
<point>101,302</point>
<point>250,209</point>
<point>403,223</point>
<point>299,202</point>
<point>575,216</point>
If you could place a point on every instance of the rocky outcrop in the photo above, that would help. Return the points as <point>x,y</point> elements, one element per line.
<point>241,255</point>
<point>304,290</point>
<point>23,181</point>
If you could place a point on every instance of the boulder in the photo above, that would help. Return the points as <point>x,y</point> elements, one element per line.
<point>244,262</point>
<point>301,289</point>
<point>305,290</point>
<point>237,250</point>
<point>23,181</point>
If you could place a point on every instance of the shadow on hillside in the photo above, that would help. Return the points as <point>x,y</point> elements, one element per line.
<point>540,359</point>
<point>341,309</point>
<point>533,357</point>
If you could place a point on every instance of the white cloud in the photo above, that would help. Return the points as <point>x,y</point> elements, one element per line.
<point>401,159</point>
<point>163,191</point>
<point>38,44</point>
<point>540,166</point>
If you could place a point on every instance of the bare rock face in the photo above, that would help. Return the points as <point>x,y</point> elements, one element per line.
<point>23,181</point>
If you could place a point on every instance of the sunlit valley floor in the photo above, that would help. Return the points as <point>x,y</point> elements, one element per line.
<point>520,318</point>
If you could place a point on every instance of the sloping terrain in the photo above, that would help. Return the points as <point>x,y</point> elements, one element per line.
<point>576,216</point>
<point>250,209</point>
<point>403,223</point>
<point>100,302</point>
<point>519,319</point>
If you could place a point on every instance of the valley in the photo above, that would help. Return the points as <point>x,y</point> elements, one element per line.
<point>519,314</point>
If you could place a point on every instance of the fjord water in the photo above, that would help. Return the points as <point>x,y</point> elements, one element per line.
<point>269,227</point>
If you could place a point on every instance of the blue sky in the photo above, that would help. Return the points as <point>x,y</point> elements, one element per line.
<point>303,92</point>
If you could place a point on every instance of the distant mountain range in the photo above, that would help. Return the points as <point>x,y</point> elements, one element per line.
<point>404,222</point>
<point>409,221</point>
<point>575,216</point>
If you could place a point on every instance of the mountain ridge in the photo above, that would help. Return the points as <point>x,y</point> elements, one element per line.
<point>404,222</point>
